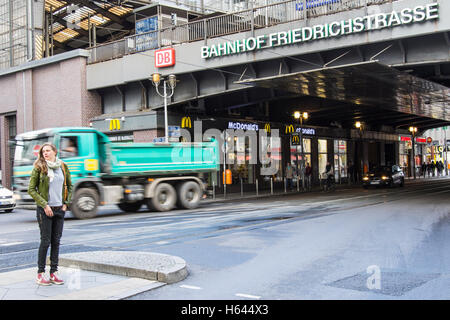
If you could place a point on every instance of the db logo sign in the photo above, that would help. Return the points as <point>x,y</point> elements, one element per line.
<point>164,58</point>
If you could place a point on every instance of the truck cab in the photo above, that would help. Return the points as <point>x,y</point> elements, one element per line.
<point>82,149</point>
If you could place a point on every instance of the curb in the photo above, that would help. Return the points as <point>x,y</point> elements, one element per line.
<point>136,264</point>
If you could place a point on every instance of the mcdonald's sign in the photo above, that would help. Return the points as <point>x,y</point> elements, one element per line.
<point>186,122</point>
<point>295,140</point>
<point>267,127</point>
<point>114,124</point>
<point>289,129</point>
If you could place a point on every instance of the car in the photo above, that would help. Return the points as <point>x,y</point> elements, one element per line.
<point>384,176</point>
<point>7,200</point>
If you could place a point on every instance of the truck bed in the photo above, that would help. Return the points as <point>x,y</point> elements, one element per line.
<point>162,159</point>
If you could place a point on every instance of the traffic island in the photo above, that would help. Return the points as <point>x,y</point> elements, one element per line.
<point>137,264</point>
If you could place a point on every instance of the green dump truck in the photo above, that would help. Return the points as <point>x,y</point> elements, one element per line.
<point>129,175</point>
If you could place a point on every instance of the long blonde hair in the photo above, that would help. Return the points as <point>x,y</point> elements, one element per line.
<point>40,162</point>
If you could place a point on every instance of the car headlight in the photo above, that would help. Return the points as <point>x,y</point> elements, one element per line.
<point>365,178</point>
<point>385,177</point>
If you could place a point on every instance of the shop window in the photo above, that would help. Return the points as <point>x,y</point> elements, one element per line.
<point>340,159</point>
<point>323,155</point>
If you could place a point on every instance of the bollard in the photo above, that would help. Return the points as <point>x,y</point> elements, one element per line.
<point>285,185</point>
<point>271,185</point>
<point>298,184</point>
<point>224,190</point>
<point>256,187</point>
<point>242,190</point>
<point>214,191</point>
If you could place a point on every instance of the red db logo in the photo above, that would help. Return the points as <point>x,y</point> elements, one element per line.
<point>164,58</point>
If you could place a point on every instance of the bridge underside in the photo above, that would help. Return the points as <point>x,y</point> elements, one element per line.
<point>370,92</point>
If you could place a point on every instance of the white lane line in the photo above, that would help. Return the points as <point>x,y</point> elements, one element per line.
<point>247,296</point>
<point>10,244</point>
<point>190,287</point>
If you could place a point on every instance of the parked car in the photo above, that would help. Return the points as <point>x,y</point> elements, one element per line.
<point>384,176</point>
<point>7,200</point>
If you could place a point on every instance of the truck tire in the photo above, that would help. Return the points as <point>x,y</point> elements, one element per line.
<point>130,206</point>
<point>85,203</point>
<point>164,199</point>
<point>189,195</point>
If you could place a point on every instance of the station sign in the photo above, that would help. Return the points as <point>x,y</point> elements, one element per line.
<point>370,22</point>
<point>164,58</point>
<point>307,131</point>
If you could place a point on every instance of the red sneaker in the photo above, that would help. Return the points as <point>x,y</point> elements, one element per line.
<point>41,280</point>
<point>55,280</point>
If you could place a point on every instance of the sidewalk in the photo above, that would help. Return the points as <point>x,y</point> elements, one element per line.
<point>123,274</point>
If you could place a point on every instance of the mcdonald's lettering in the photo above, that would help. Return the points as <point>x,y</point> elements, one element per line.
<point>267,127</point>
<point>295,139</point>
<point>186,122</point>
<point>289,129</point>
<point>114,124</point>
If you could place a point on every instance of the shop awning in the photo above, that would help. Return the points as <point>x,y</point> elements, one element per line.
<point>379,93</point>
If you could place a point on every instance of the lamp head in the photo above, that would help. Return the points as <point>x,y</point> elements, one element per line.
<point>156,79</point>
<point>172,81</point>
<point>358,124</point>
<point>297,114</point>
<point>305,115</point>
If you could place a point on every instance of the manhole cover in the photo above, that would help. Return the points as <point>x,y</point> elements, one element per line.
<point>393,283</point>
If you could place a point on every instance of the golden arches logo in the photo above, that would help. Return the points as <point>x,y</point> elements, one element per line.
<point>267,127</point>
<point>295,139</point>
<point>186,122</point>
<point>114,124</point>
<point>289,129</point>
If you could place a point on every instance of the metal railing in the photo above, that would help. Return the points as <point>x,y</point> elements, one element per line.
<point>247,20</point>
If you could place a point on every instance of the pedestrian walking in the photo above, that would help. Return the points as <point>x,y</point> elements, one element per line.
<point>351,172</point>
<point>308,175</point>
<point>433,167</point>
<point>429,169</point>
<point>424,168</point>
<point>289,176</point>
<point>51,188</point>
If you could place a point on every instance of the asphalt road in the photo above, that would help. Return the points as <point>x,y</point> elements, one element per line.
<point>349,244</point>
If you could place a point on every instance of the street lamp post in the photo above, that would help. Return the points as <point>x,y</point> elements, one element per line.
<point>299,115</point>
<point>359,126</point>
<point>413,131</point>
<point>171,80</point>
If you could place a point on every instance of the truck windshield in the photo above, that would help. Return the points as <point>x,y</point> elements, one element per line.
<point>27,150</point>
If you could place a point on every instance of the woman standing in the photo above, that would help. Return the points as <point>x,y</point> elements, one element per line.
<point>51,187</point>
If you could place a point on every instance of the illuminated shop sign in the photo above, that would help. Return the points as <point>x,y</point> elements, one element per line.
<point>371,22</point>
<point>309,131</point>
<point>242,126</point>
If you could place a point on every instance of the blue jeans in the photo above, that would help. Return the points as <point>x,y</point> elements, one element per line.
<point>51,231</point>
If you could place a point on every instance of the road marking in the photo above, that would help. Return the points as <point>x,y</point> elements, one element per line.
<point>162,242</point>
<point>247,296</point>
<point>190,287</point>
<point>11,244</point>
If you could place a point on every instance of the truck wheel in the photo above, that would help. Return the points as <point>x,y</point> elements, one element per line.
<point>164,198</point>
<point>85,203</point>
<point>189,194</point>
<point>130,207</point>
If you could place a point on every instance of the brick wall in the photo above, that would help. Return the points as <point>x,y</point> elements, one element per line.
<point>147,135</point>
<point>51,95</point>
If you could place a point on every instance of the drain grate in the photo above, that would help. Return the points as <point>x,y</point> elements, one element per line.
<point>393,283</point>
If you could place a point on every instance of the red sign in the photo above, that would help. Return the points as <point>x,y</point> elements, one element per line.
<point>164,58</point>
<point>429,140</point>
<point>36,150</point>
<point>421,140</point>
<point>405,139</point>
